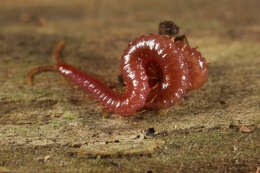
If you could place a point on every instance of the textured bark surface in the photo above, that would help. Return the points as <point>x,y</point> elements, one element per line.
<point>54,127</point>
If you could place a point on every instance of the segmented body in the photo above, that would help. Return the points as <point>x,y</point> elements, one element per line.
<point>157,71</point>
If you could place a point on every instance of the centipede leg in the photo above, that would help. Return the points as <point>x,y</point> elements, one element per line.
<point>57,50</point>
<point>37,70</point>
<point>163,112</point>
<point>140,112</point>
<point>180,102</point>
<point>182,38</point>
<point>102,110</point>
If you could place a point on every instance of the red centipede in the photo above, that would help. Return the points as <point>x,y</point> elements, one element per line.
<point>157,71</point>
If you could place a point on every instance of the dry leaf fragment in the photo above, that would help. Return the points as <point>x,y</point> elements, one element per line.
<point>245,129</point>
<point>46,158</point>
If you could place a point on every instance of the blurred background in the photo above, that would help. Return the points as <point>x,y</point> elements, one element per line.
<point>52,126</point>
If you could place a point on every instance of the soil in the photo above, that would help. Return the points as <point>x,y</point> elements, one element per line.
<point>54,127</point>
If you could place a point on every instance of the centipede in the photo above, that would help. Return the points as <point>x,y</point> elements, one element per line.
<point>157,70</point>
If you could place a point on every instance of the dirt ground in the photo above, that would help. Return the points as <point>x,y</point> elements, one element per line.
<point>54,127</point>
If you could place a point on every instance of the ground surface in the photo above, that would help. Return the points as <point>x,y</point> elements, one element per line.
<point>53,127</point>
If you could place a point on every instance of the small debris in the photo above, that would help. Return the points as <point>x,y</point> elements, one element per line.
<point>245,129</point>
<point>235,148</point>
<point>4,170</point>
<point>164,133</point>
<point>41,21</point>
<point>114,164</point>
<point>76,145</point>
<point>222,102</point>
<point>150,132</point>
<point>232,126</point>
<point>168,28</point>
<point>95,135</point>
<point>40,159</point>
<point>46,158</point>
<point>29,18</point>
<point>116,141</point>
<point>140,137</point>
<point>258,170</point>
<point>55,115</point>
<point>63,163</point>
<point>187,131</point>
<point>25,17</point>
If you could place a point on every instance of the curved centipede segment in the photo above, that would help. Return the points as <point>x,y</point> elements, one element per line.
<point>157,72</point>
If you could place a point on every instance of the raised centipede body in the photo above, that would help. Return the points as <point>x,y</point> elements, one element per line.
<point>157,71</point>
